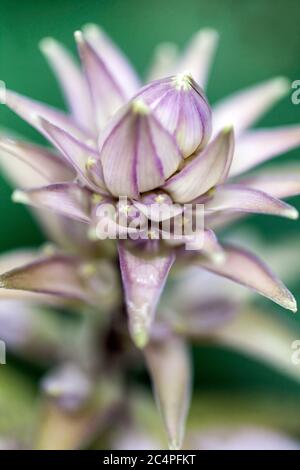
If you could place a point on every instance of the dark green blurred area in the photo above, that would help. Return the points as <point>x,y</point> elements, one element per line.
<point>258,40</point>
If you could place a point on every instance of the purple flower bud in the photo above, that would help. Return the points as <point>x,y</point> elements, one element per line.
<point>137,152</point>
<point>182,108</point>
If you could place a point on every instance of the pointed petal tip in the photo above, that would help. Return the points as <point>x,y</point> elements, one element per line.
<point>2,92</point>
<point>210,33</point>
<point>139,106</point>
<point>291,304</point>
<point>91,30</point>
<point>79,37</point>
<point>19,197</point>
<point>292,213</point>
<point>174,445</point>
<point>48,45</point>
<point>282,84</point>
<point>227,129</point>
<point>140,338</point>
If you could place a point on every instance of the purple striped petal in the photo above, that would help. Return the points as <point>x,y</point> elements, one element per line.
<point>234,197</point>
<point>79,155</point>
<point>204,171</point>
<point>169,364</point>
<point>72,82</point>
<point>243,108</point>
<point>182,108</point>
<point>246,269</point>
<point>198,55</point>
<point>143,278</point>
<point>257,146</point>
<point>32,110</point>
<point>38,165</point>
<point>118,65</point>
<point>56,275</point>
<point>67,199</point>
<point>107,95</point>
<point>136,152</point>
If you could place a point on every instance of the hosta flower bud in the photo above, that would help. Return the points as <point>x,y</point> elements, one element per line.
<point>182,108</point>
<point>137,153</point>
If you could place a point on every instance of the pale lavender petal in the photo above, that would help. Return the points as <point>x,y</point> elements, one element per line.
<point>163,62</point>
<point>158,206</point>
<point>257,146</point>
<point>204,171</point>
<point>31,110</point>
<point>238,198</point>
<point>78,154</point>
<point>136,152</point>
<point>182,108</point>
<point>15,259</point>
<point>143,278</point>
<point>117,63</point>
<point>72,82</point>
<point>107,95</point>
<point>279,182</point>
<point>67,199</point>
<point>56,275</point>
<point>246,269</point>
<point>243,108</point>
<point>169,364</point>
<point>198,55</point>
<point>69,386</point>
<point>30,165</point>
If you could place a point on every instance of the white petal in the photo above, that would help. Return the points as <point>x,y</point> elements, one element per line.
<point>72,82</point>
<point>257,146</point>
<point>116,61</point>
<point>246,269</point>
<point>243,108</point>
<point>198,55</point>
<point>169,364</point>
<point>143,278</point>
<point>163,63</point>
<point>239,198</point>
<point>204,171</point>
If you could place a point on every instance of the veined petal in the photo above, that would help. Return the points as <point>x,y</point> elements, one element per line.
<point>107,95</point>
<point>78,154</point>
<point>136,152</point>
<point>169,364</point>
<point>243,108</point>
<point>235,197</point>
<point>204,171</point>
<point>143,278</point>
<point>68,199</point>
<point>279,182</point>
<point>164,60</point>
<point>57,275</point>
<point>31,110</point>
<point>198,55</point>
<point>39,165</point>
<point>118,64</point>
<point>71,80</point>
<point>15,259</point>
<point>246,269</point>
<point>257,146</point>
<point>182,108</point>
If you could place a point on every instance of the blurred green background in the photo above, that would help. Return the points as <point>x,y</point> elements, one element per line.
<point>258,40</point>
